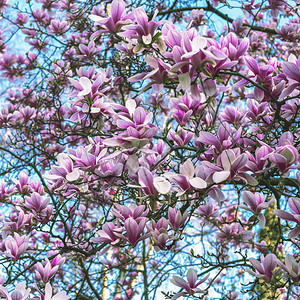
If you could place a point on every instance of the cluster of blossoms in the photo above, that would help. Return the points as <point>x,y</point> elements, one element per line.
<point>128,141</point>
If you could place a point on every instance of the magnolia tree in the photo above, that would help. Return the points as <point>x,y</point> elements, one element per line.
<point>150,150</point>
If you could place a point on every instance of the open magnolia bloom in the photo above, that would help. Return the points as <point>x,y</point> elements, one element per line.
<point>190,285</point>
<point>294,204</point>
<point>115,21</point>
<point>48,294</point>
<point>264,270</point>
<point>20,292</point>
<point>256,204</point>
<point>186,181</point>
<point>291,267</point>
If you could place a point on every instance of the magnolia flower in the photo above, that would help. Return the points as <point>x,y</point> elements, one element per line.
<point>181,137</point>
<point>144,31</point>
<point>226,137</point>
<point>233,166</point>
<point>232,233</point>
<point>84,84</point>
<point>189,286</point>
<point>108,234</point>
<point>16,224</point>
<point>58,27</point>
<point>264,270</point>
<point>152,185</point>
<point>47,272</point>
<point>284,157</point>
<point>157,76</point>
<point>159,233</point>
<point>48,294</point>
<point>291,267</point>
<point>89,51</point>
<point>22,183</point>
<point>134,230</point>
<point>256,204</point>
<point>257,164</point>
<point>294,204</point>
<point>20,292</point>
<point>176,219</point>
<point>116,20</point>
<point>186,180</point>
<point>16,246</point>
<point>123,212</point>
<point>65,169</point>
<point>208,210</point>
<point>36,203</point>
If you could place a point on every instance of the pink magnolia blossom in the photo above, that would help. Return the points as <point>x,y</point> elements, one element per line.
<point>123,212</point>
<point>152,185</point>
<point>88,158</point>
<point>186,181</point>
<point>109,234</point>
<point>58,27</point>
<point>48,294</point>
<point>256,204</point>
<point>291,71</point>
<point>248,6</point>
<point>232,165</point>
<point>257,163</point>
<point>15,246</point>
<point>20,292</point>
<point>136,122</point>
<point>157,76</point>
<point>116,20</point>
<point>65,170</point>
<point>294,204</point>
<point>46,272</point>
<point>289,32</point>
<point>22,184</point>
<point>21,19</point>
<point>5,191</point>
<point>225,139</point>
<point>159,233</point>
<point>276,6</point>
<point>264,270</point>
<point>84,85</point>
<point>181,137</point>
<point>176,219</point>
<point>291,267</point>
<point>262,75</point>
<point>232,233</point>
<point>286,154</point>
<point>187,106</point>
<point>190,286</point>
<point>16,223</point>
<point>134,230</point>
<point>207,210</point>
<point>89,51</point>
<point>196,18</point>
<point>36,203</point>
<point>143,32</point>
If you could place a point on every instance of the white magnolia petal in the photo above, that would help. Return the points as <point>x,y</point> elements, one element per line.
<point>73,175</point>
<point>95,18</point>
<point>198,183</point>
<point>262,220</point>
<point>185,81</point>
<point>85,83</point>
<point>221,176</point>
<point>187,169</point>
<point>162,185</point>
<point>131,106</point>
